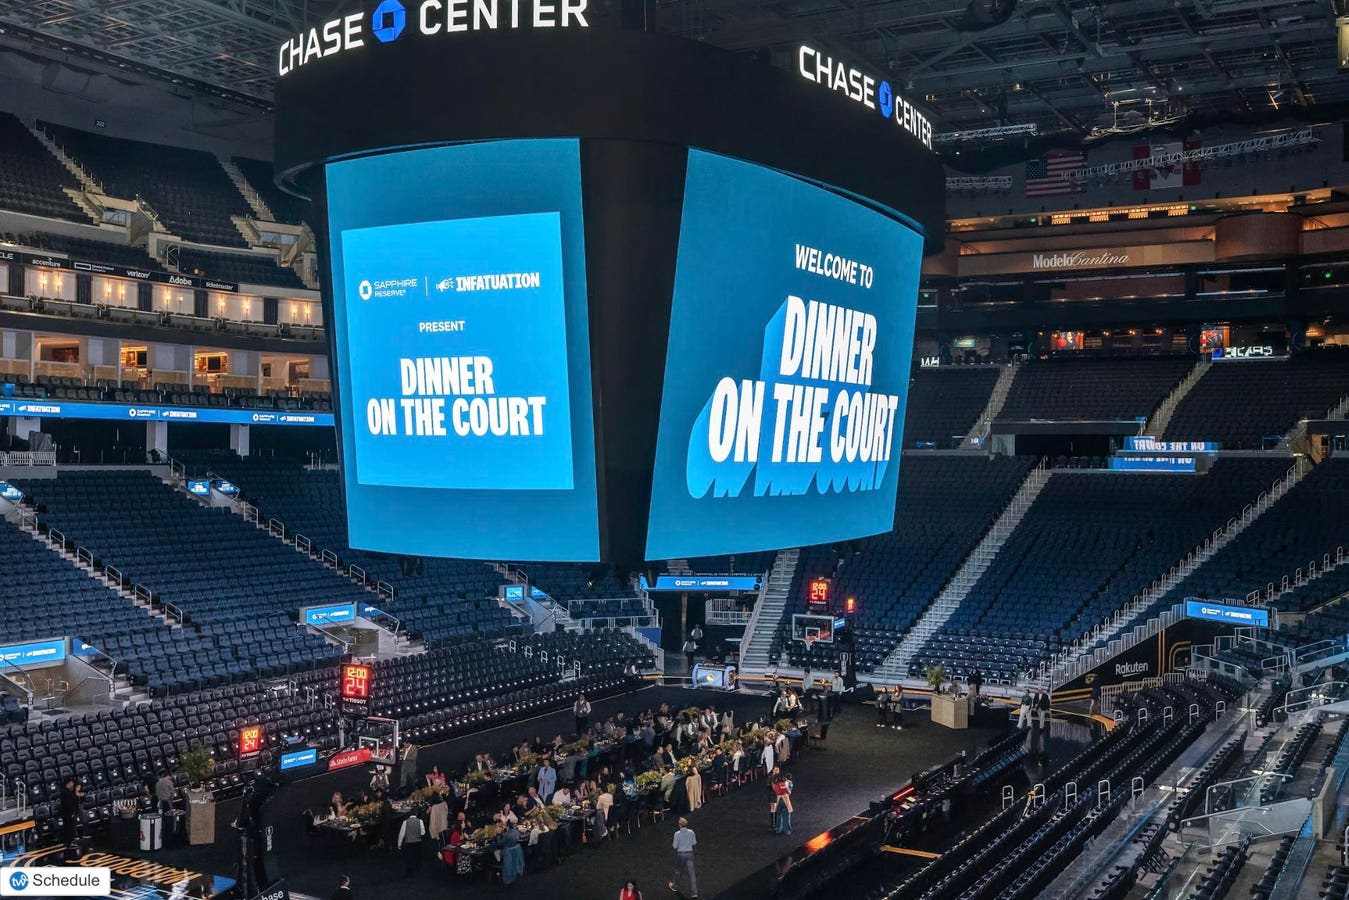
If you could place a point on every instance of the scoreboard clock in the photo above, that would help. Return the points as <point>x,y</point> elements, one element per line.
<point>250,741</point>
<point>817,593</point>
<point>354,689</point>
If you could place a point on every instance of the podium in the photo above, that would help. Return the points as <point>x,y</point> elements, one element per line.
<point>951,710</point>
<point>200,818</point>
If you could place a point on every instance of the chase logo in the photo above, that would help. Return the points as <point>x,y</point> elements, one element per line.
<point>387,21</point>
<point>366,290</point>
<point>18,881</point>
<point>885,99</point>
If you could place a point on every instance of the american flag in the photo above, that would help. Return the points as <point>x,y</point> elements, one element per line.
<point>1043,175</point>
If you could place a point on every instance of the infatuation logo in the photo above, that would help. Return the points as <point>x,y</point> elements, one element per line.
<point>388,20</point>
<point>826,431</point>
<point>861,88</point>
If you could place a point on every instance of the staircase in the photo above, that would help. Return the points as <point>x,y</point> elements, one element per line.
<point>1156,426</point>
<point>122,691</point>
<point>984,423</point>
<point>86,180</point>
<point>255,201</point>
<point>896,665</point>
<point>1127,627</point>
<point>763,622</point>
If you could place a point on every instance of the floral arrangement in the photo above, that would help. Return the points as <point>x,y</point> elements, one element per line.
<point>475,778</point>
<point>544,816</point>
<point>611,789</point>
<point>575,748</point>
<point>784,725</point>
<point>646,780</point>
<point>528,762</point>
<point>487,833</point>
<point>366,814</point>
<point>425,796</point>
<point>693,712</point>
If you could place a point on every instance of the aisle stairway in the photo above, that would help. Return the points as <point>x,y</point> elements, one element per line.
<point>1162,416</point>
<point>896,665</point>
<point>995,403</point>
<point>767,613</point>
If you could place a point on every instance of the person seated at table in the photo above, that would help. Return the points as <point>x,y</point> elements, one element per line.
<point>450,854</point>
<point>647,734</point>
<point>533,799</point>
<point>337,808</point>
<point>507,814</point>
<point>718,771</point>
<point>667,756</point>
<point>562,797</point>
<point>604,801</point>
<point>482,762</point>
<point>522,806</point>
<point>704,741</point>
<point>583,791</point>
<point>558,743</point>
<point>520,750</point>
<point>667,784</point>
<point>435,778</point>
<point>539,745</point>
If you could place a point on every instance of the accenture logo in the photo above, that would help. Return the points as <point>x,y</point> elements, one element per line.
<point>387,21</point>
<point>1078,259</point>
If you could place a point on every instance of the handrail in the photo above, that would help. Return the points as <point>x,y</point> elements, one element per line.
<point>355,571</point>
<point>174,611</point>
<point>28,691</point>
<point>303,544</point>
<point>276,527</point>
<point>384,590</point>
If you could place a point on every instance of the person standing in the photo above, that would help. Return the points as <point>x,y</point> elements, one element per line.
<point>581,711</point>
<point>512,854</point>
<point>684,842</point>
<point>693,784</point>
<point>1042,707</point>
<point>836,695</point>
<point>782,792</point>
<point>630,891</point>
<point>690,650</point>
<point>343,891</point>
<point>1023,718</point>
<point>547,780</point>
<point>407,774</point>
<point>897,708</point>
<point>72,796</point>
<point>165,791</point>
<point>976,682</point>
<point>882,707</point>
<point>410,843</point>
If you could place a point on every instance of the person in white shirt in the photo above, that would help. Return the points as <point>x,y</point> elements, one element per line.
<point>562,797</point>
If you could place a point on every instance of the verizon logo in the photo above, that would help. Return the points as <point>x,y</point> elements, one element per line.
<point>1078,259</point>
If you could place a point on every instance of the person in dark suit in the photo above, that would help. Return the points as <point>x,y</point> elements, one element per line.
<point>343,891</point>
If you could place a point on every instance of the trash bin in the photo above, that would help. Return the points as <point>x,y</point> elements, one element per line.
<point>152,831</point>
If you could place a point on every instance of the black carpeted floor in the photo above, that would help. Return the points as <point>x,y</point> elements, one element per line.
<point>861,763</point>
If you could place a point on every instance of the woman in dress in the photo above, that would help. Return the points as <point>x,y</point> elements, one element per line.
<point>435,778</point>
<point>693,783</point>
<point>630,891</point>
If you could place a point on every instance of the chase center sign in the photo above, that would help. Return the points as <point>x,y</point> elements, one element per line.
<point>391,18</point>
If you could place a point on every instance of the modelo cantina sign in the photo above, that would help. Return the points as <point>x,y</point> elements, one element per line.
<point>973,261</point>
<point>1079,259</point>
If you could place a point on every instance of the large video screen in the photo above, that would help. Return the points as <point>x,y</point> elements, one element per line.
<point>787,369</point>
<point>462,346</point>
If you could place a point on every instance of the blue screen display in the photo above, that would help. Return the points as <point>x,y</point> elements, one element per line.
<point>1230,615</point>
<point>460,321</point>
<point>788,366</point>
